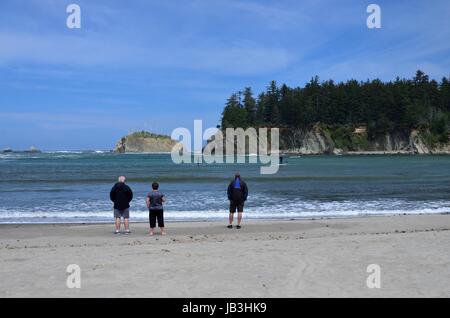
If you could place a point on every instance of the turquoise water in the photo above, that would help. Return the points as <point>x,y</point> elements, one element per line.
<point>74,187</point>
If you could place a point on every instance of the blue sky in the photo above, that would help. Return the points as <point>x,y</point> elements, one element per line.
<point>158,65</point>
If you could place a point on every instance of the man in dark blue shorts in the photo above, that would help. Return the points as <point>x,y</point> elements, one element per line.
<point>237,194</point>
<point>121,195</point>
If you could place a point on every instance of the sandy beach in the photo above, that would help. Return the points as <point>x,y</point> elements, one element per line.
<point>302,258</point>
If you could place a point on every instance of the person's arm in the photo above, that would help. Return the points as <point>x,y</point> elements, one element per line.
<point>130,194</point>
<point>163,198</point>
<point>147,201</point>
<point>230,190</point>
<point>112,194</point>
<point>245,190</point>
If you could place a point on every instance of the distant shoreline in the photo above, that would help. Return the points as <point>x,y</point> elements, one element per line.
<point>371,153</point>
<point>282,152</point>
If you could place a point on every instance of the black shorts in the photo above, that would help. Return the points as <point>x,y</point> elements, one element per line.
<point>156,215</point>
<point>239,206</point>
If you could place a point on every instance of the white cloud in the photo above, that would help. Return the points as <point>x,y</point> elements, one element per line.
<point>69,50</point>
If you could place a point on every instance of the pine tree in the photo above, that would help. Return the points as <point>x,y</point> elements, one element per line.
<point>444,100</point>
<point>234,114</point>
<point>271,100</point>
<point>286,106</point>
<point>250,106</point>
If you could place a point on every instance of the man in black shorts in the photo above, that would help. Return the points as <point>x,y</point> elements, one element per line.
<point>237,194</point>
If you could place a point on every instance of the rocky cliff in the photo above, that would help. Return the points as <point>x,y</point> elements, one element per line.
<point>144,142</point>
<point>319,140</point>
<point>350,140</point>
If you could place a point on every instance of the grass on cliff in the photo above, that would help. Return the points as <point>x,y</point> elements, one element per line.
<point>146,134</point>
<point>437,132</point>
<point>344,137</point>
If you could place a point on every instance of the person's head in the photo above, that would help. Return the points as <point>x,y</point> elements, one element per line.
<point>121,179</point>
<point>237,175</point>
<point>155,186</point>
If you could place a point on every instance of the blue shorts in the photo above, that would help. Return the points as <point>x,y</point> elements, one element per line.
<point>122,214</point>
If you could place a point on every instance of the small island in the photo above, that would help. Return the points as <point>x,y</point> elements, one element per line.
<point>33,149</point>
<point>145,142</point>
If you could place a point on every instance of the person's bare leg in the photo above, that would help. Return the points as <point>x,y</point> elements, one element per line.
<point>152,232</point>
<point>239,218</point>
<point>117,224</point>
<point>127,224</point>
<point>162,231</point>
<point>230,218</point>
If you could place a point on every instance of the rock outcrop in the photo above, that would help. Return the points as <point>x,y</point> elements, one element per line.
<point>145,142</point>
<point>307,141</point>
<point>33,149</point>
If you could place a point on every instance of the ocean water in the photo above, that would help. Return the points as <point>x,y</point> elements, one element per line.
<point>74,186</point>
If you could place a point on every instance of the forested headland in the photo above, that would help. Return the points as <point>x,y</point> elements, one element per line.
<point>379,108</point>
